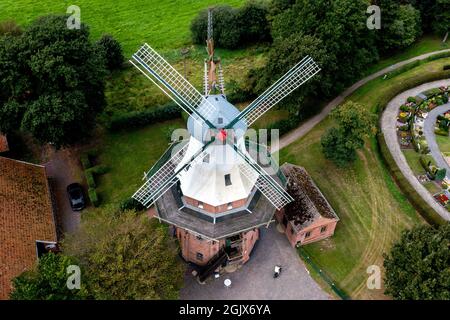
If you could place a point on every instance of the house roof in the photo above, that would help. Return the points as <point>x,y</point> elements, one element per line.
<point>26,215</point>
<point>309,202</point>
<point>3,143</point>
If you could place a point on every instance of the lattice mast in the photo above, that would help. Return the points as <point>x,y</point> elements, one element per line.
<point>214,81</point>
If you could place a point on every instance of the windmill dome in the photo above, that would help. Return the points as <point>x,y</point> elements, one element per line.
<point>220,115</point>
<point>215,178</point>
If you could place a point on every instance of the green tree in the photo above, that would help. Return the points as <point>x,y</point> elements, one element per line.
<point>47,64</point>
<point>400,25</point>
<point>48,281</point>
<point>441,24</point>
<point>112,51</point>
<point>418,265</point>
<point>288,53</point>
<point>354,123</point>
<point>126,256</point>
<point>341,28</point>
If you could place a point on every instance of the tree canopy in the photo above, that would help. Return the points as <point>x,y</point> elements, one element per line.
<point>48,281</point>
<point>52,81</point>
<point>418,265</point>
<point>126,256</point>
<point>354,123</point>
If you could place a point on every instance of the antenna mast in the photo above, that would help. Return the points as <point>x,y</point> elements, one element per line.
<point>211,83</point>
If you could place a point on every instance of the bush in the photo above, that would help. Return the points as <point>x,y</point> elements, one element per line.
<point>143,118</point>
<point>112,51</point>
<point>431,93</point>
<point>93,197</point>
<point>447,67</point>
<point>427,161</point>
<point>441,132</point>
<point>233,27</point>
<point>284,125</point>
<point>90,179</point>
<point>412,100</point>
<point>85,162</point>
<point>99,170</point>
<point>131,204</point>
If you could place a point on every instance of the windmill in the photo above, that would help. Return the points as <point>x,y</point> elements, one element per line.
<point>213,166</point>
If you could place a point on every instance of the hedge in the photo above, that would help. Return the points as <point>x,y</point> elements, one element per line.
<point>93,197</point>
<point>90,179</point>
<point>138,119</point>
<point>131,204</point>
<point>98,170</point>
<point>85,162</point>
<point>425,210</point>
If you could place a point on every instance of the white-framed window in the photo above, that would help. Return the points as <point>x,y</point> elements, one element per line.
<point>230,205</point>
<point>200,205</point>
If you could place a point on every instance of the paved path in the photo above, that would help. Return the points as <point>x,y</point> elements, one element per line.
<point>309,124</point>
<point>255,279</point>
<point>428,131</point>
<point>388,127</point>
<point>61,169</point>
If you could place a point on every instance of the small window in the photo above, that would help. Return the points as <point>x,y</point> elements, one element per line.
<point>220,120</point>
<point>200,205</point>
<point>230,205</point>
<point>199,256</point>
<point>307,235</point>
<point>206,158</point>
<point>323,229</point>
<point>228,180</point>
<point>292,231</point>
<point>199,238</point>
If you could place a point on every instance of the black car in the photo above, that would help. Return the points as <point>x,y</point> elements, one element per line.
<point>76,196</point>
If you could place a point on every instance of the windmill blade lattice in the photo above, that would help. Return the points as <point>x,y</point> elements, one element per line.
<point>293,79</point>
<point>179,88</point>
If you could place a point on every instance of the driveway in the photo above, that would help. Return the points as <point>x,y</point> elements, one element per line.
<point>255,279</point>
<point>63,169</point>
<point>428,131</point>
<point>389,130</point>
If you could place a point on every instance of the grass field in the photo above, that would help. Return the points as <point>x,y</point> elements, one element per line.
<point>413,159</point>
<point>372,209</point>
<point>443,143</point>
<point>129,155</point>
<point>163,24</point>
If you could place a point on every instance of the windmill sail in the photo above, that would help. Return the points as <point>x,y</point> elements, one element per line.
<point>176,86</point>
<point>264,182</point>
<point>293,79</point>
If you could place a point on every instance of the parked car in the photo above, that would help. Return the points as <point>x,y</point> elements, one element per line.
<point>76,196</point>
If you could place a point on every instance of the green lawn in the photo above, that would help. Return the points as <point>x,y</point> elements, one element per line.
<point>426,44</point>
<point>163,24</point>
<point>372,209</point>
<point>128,155</point>
<point>413,159</point>
<point>443,143</point>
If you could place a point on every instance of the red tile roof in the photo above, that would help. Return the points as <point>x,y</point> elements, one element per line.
<point>26,215</point>
<point>3,143</point>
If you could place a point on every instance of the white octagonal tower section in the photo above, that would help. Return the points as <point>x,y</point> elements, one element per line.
<point>214,178</point>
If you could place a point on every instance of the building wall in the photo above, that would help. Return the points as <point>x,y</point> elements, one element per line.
<point>249,240</point>
<point>315,234</point>
<point>216,209</point>
<point>191,245</point>
<point>200,250</point>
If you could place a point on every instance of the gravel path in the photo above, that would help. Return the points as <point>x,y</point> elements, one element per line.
<point>388,127</point>
<point>428,131</point>
<point>255,279</point>
<point>309,124</point>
